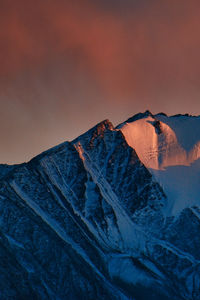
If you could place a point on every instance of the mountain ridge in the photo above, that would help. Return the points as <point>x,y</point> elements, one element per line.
<point>87,220</point>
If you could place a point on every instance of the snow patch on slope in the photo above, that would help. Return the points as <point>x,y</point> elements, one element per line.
<point>161,141</point>
<point>181,184</point>
<point>170,148</point>
<point>155,143</point>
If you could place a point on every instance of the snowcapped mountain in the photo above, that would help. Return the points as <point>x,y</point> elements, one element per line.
<point>94,218</point>
<point>161,141</point>
<point>170,148</point>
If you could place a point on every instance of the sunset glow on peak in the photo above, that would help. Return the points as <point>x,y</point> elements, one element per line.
<point>160,141</point>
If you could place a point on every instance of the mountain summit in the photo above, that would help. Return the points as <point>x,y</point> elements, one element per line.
<point>170,148</point>
<point>161,141</point>
<point>90,219</point>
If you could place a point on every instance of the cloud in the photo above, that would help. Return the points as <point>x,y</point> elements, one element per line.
<point>146,45</point>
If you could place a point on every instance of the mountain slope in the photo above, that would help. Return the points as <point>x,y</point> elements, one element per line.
<point>161,141</point>
<point>170,148</point>
<point>86,220</point>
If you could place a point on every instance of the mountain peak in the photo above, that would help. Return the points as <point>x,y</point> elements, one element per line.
<point>140,115</point>
<point>105,124</point>
<point>161,141</point>
<point>97,130</point>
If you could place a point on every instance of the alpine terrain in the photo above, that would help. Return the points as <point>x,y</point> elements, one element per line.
<point>114,214</point>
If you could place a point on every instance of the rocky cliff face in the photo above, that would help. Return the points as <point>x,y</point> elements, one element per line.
<point>86,220</point>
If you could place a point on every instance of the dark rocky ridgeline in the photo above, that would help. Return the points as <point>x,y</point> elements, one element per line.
<point>86,220</point>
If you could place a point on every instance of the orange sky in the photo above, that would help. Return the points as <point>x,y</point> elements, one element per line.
<point>66,65</point>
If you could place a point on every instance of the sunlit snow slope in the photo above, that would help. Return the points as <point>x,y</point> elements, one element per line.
<point>170,148</point>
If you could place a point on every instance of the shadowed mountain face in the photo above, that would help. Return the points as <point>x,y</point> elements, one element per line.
<point>86,220</point>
